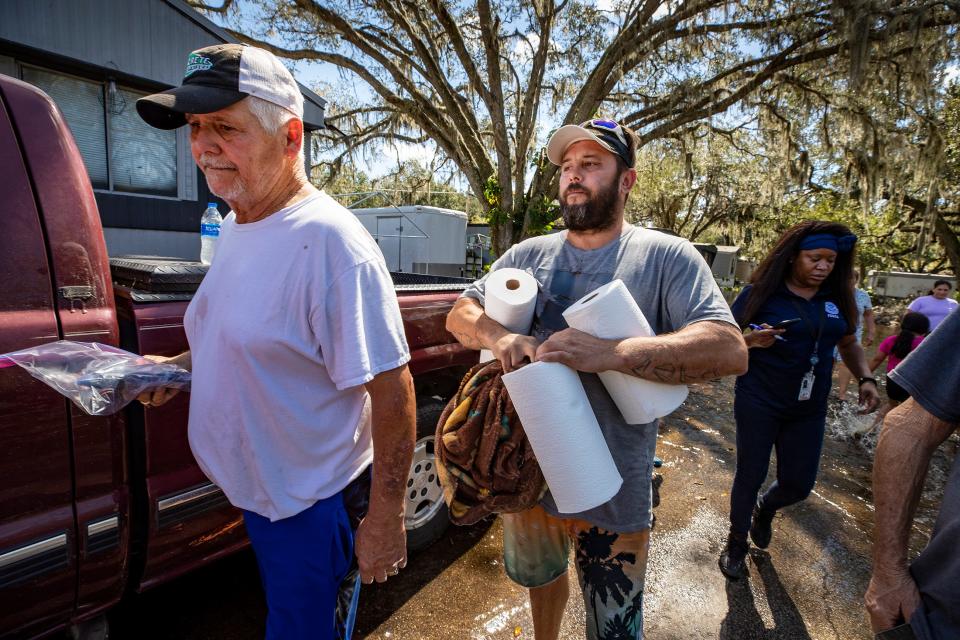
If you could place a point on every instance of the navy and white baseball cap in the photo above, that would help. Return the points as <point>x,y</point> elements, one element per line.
<point>219,76</point>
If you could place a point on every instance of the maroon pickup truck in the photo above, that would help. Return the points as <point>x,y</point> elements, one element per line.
<point>95,508</point>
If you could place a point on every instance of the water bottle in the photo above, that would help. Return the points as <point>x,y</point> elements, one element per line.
<point>209,232</point>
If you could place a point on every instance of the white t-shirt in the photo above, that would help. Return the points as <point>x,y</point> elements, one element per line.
<point>296,313</point>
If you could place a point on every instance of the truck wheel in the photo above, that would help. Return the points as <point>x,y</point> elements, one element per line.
<point>96,629</point>
<point>426,516</point>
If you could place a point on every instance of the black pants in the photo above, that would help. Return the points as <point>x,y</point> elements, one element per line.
<point>797,440</point>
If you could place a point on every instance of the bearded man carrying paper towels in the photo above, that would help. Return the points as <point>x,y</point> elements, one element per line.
<point>697,340</point>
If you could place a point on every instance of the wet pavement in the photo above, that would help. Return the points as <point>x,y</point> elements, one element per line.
<point>808,585</point>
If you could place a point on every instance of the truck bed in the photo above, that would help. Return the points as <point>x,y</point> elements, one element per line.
<point>185,520</point>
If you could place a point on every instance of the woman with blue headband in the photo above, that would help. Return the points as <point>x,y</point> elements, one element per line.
<point>799,305</point>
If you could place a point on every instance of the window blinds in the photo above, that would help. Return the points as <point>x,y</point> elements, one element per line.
<point>143,159</point>
<point>82,105</point>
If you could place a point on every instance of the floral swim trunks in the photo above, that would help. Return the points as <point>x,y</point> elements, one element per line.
<point>610,566</point>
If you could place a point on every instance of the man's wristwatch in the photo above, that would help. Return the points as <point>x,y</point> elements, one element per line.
<point>873,380</point>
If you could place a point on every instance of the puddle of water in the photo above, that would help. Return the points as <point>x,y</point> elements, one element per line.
<point>498,619</point>
<point>671,596</point>
<point>844,423</point>
<point>850,519</point>
<point>680,446</point>
<point>840,570</point>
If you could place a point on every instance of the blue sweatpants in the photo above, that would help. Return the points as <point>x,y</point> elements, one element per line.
<point>797,438</point>
<point>307,566</point>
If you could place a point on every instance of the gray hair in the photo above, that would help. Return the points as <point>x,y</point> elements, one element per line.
<point>272,117</point>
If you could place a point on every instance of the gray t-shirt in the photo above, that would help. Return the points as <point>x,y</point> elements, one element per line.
<point>673,286</point>
<point>931,373</point>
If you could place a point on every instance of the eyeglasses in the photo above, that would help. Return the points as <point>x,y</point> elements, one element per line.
<point>608,125</point>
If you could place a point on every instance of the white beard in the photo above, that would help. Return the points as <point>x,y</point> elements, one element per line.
<point>231,193</point>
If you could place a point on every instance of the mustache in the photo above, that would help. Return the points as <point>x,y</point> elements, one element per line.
<point>576,189</point>
<point>207,162</point>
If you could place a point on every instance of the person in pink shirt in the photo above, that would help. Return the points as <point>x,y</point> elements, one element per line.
<point>913,328</point>
<point>937,305</point>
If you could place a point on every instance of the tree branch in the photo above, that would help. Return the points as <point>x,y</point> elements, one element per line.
<point>202,6</point>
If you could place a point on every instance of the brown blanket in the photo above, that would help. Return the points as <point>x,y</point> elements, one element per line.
<point>485,461</point>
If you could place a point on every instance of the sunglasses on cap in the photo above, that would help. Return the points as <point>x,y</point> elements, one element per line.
<point>613,135</point>
<point>607,133</point>
<point>607,126</point>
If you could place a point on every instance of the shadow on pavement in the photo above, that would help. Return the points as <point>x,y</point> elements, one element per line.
<point>843,476</point>
<point>379,601</point>
<point>225,601</point>
<point>743,621</point>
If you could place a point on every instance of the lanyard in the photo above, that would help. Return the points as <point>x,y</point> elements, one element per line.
<point>815,333</point>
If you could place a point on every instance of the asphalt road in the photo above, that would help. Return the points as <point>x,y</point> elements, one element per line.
<point>808,585</point>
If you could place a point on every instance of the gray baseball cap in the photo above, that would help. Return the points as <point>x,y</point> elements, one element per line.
<point>613,137</point>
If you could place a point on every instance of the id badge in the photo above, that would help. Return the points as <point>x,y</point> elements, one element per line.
<point>806,386</point>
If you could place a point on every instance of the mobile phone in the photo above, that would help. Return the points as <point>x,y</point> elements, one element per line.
<point>783,324</point>
<point>902,632</point>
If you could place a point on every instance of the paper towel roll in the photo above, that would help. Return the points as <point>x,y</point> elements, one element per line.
<point>611,313</point>
<point>510,299</point>
<point>558,420</point>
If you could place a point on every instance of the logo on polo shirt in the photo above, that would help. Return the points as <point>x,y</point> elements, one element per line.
<point>196,63</point>
<point>832,310</point>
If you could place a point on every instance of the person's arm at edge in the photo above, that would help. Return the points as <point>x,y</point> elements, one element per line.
<point>856,361</point>
<point>701,351</point>
<point>869,327</point>
<point>158,396</point>
<point>908,439</point>
<point>474,329</point>
<point>877,360</point>
<point>381,539</point>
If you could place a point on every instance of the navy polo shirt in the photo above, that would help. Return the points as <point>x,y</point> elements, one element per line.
<point>775,373</point>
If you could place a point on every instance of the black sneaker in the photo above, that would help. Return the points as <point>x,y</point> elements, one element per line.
<point>733,559</point>
<point>762,528</point>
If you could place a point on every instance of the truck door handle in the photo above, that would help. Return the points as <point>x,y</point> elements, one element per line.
<point>75,294</point>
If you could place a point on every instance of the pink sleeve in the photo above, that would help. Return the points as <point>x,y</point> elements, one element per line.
<point>887,344</point>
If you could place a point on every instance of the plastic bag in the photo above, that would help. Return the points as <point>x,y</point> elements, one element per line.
<point>98,378</point>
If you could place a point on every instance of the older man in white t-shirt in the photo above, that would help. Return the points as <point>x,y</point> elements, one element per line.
<point>297,349</point>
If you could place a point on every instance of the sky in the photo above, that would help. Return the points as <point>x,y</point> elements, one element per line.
<point>319,76</point>
<point>953,73</point>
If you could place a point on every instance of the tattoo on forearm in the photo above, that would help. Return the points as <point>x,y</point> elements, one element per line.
<point>706,351</point>
<point>666,372</point>
<point>641,368</point>
<point>674,374</point>
<point>702,376</point>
